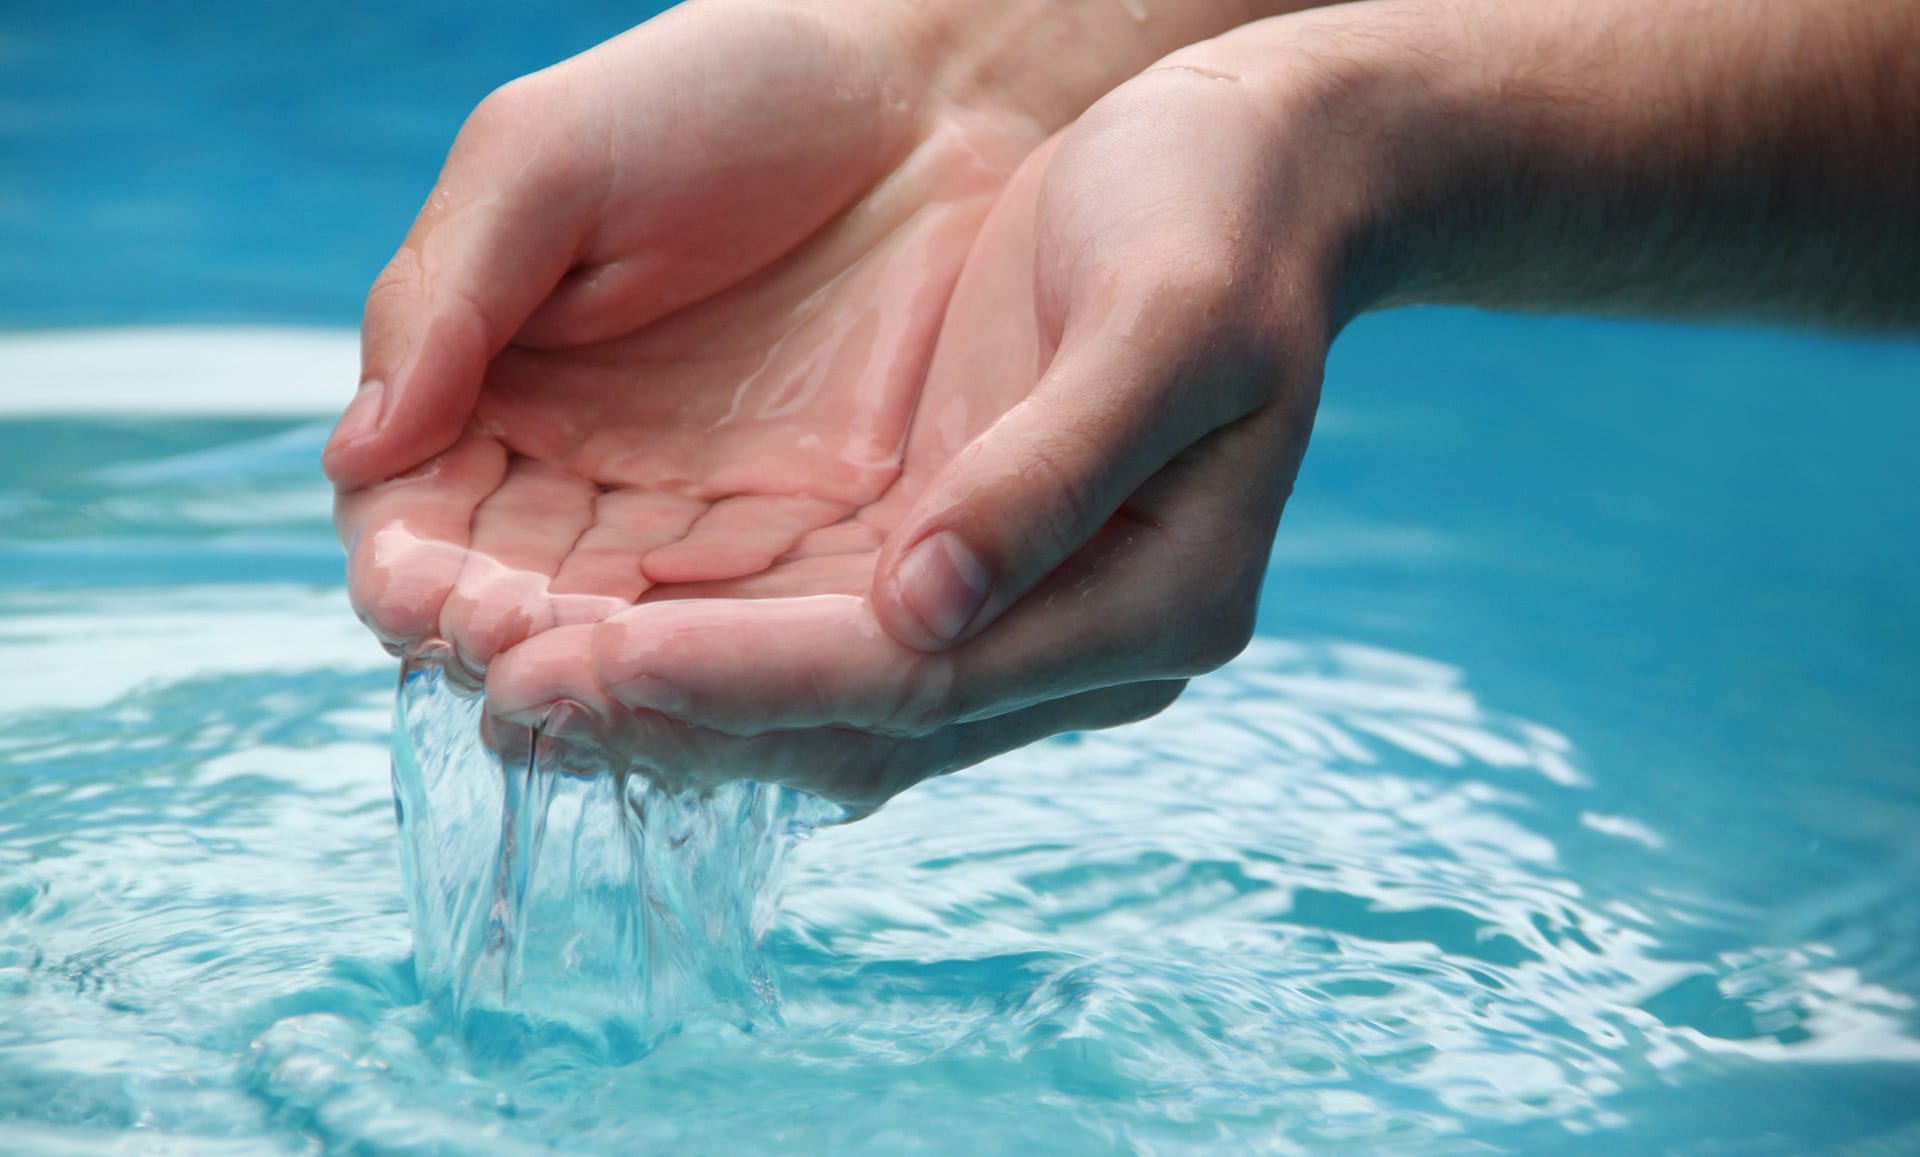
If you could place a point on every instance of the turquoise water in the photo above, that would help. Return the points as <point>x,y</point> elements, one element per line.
<point>1566,802</point>
<point>552,902</point>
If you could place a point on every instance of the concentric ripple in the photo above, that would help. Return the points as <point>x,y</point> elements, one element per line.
<point>1336,897</point>
<point>1311,903</point>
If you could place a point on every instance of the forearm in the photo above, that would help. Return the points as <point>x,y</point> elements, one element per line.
<point>1746,157</point>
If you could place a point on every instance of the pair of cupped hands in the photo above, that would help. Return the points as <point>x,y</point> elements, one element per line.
<point>763,394</point>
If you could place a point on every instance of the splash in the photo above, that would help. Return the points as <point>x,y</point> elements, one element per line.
<point>598,908</point>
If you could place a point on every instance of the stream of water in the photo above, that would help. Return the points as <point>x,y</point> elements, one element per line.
<point>593,908</point>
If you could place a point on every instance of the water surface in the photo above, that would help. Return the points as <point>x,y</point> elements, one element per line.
<point>1567,801</point>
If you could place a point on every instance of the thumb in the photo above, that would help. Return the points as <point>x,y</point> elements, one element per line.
<point>1032,489</point>
<point>501,228</point>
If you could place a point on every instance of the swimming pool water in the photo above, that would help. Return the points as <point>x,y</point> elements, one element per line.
<point>1566,802</point>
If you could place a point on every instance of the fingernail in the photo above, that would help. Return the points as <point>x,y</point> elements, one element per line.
<point>653,693</point>
<point>509,740</point>
<point>568,740</point>
<point>570,721</point>
<point>942,584</point>
<point>362,417</point>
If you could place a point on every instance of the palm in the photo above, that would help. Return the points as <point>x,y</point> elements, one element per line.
<point>758,439</point>
<point>737,615</point>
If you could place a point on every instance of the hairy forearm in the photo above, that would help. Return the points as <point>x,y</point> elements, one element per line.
<point>1715,157</point>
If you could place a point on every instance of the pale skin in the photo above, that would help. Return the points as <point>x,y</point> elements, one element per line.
<point>980,429</point>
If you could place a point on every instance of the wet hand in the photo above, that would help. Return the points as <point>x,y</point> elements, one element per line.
<point>662,323</point>
<point>1119,398</point>
<point>1128,370</point>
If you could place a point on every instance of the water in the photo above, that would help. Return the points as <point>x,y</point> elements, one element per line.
<point>1569,800</point>
<point>551,900</point>
<point>1573,816</point>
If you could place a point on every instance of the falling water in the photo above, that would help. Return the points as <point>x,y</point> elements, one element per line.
<point>600,908</point>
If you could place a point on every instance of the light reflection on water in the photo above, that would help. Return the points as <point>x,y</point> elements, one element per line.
<point>1318,900</point>
<point>1341,894</point>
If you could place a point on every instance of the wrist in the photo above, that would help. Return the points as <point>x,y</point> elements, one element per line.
<point>1467,164</point>
<point>1049,60</point>
<point>1388,133</point>
<point>1347,126</point>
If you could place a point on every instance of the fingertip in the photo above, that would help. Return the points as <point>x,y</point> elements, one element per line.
<point>338,468</point>
<point>347,467</point>
<point>400,446</point>
<point>380,436</point>
<point>423,357</point>
<point>344,459</point>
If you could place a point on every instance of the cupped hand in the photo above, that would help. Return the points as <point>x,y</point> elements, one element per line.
<point>1120,395</point>
<point>663,322</point>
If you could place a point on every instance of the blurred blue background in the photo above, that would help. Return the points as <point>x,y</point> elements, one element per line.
<point>232,161</point>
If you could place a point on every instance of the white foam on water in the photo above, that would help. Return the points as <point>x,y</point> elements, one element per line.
<point>226,371</point>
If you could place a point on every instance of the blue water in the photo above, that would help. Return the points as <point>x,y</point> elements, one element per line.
<point>1569,800</point>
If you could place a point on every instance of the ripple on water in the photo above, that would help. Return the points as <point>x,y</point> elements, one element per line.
<point>1326,898</point>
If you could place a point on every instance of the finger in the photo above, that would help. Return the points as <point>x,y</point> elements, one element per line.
<point>1166,590</point>
<point>675,657</point>
<point>777,664</point>
<point>521,532</point>
<point>739,536</point>
<point>991,349</point>
<point>627,526</point>
<point>407,538</point>
<point>827,574</point>
<point>738,156</point>
<point>840,538</point>
<point>502,226</point>
<point>542,684</point>
<point>1040,482</point>
<point>597,302</point>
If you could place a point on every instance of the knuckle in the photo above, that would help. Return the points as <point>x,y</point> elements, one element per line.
<point>1198,276</point>
<point>529,130</point>
<point>394,292</point>
<point>863,779</point>
<point>923,699</point>
<point>1204,64</point>
<point>1215,645</point>
<point>505,109</point>
<point>401,274</point>
<point>1152,699</point>
<point>1214,631</point>
<point>1189,88</point>
<point>1057,468</point>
